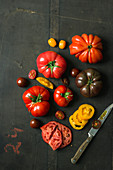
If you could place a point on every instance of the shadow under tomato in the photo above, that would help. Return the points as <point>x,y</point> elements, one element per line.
<point>105,51</point>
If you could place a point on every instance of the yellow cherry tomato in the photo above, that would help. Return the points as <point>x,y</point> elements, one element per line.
<point>52,42</point>
<point>45,82</point>
<point>62,44</point>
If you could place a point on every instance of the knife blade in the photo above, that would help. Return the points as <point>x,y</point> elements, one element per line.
<point>92,132</point>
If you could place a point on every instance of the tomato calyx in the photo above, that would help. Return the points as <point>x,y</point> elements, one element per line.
<point>66,95</point>
<point>90,80</point>
<point>36,99</point>
<point>89,47</point>
<point>51,65</point>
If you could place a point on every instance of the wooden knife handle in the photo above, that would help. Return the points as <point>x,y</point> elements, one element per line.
<point>80,150</point>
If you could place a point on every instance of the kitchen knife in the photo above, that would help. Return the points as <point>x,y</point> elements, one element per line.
<point>92,132</point>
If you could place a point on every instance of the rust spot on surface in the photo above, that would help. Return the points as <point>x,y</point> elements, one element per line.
<point>15,130</point>
<point>15,149</point>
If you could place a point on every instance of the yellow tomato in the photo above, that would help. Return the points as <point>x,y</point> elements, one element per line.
<point>52,42</point>
<point>62,44</point>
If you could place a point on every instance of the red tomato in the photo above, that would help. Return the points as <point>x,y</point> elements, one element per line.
<point>62,95</point>
<point>51,64</point>
<point>60,115</point>
<point>56,139</point>
<point>32,74</point>
<point>36,100</point>
<point>87,48</point>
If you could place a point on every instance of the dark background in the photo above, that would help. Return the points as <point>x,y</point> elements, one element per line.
<point>25,27</point>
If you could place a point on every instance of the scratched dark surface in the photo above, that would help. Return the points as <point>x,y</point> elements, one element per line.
<point>25,27</point>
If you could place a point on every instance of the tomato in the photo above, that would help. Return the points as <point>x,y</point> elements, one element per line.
<point>32,74</point>
<point>65,81</point>
<point>47,131</point>
<point>22,82</point>
<point>66,136</point>
<point>56,135</point>
<point>34,123</point>
<point>87,48</point>
<point>36,100</point>
<point>56,139</point>
<point>59,115</point>
<point>62,44</point>
<point>51,64</point>
<point>62,95</point>
<point>74,72</point>
<point>90,82</point>
<point>96,124</point>
<point>52,42</point>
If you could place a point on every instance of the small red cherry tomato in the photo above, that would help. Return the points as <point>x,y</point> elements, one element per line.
<point>96,124</point>
<point>32,74</point>
<point>59,115</point>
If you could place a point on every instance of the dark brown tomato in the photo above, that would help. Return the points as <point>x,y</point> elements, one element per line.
<point>96,124</point>
<point>65,81</point>
<point>74,72</point>
<point>22,82</point>
<point>35,123</point>
<point>90,82</point>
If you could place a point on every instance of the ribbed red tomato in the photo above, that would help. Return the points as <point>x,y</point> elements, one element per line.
<point>36,100</point>
<point>51,64</point>
<point>87,48</point>
<point>62,95</point>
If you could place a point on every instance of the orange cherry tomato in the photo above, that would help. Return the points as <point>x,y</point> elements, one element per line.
<point>62,44</point>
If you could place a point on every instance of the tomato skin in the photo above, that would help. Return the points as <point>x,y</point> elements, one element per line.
<point>37,107</point>
<point>87,48</point>
<point>62,95</point>
<point>74,72</point>
<point>35,123</point>
<point>40,109</point>
<point>51,64</point>
<point>22,82</point>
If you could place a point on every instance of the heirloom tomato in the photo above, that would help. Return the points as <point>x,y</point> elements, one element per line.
<point>36,100</point>
<point>62,95</point>
<point>51,64</point>
<point>87,48</point>
<point>90,82</point>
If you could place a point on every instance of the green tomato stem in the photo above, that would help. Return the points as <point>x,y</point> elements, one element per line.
<point>36,99</point>
<point>51,65</point>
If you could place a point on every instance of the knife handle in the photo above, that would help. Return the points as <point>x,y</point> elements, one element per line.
<point>81,149</point>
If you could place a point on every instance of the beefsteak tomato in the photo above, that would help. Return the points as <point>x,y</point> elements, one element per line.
<point>51,64</point>
<point>36,100</point>
<point>87,48</point>
<point>90,82</point>
<point>62,95</point>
